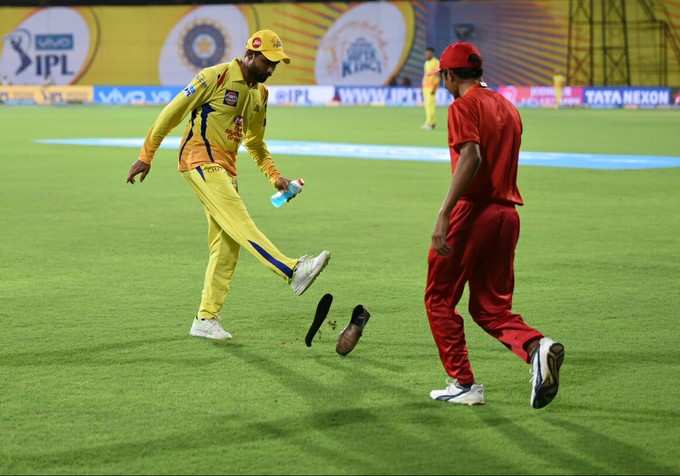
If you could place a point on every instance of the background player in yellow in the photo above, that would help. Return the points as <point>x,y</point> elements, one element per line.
<point>228,106</point>
<point>558,84</point>
<point>430,86</point>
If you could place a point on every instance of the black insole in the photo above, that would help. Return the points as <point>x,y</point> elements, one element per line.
<point>321,312</point>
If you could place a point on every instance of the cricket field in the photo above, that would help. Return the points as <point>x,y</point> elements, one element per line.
<point>99,282</point>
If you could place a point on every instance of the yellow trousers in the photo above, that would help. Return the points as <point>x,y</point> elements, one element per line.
<point>230,228</point>
<point>430,104</point>
<point>558,97</point>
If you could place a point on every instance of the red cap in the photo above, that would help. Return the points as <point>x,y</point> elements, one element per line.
<point>457,55</point>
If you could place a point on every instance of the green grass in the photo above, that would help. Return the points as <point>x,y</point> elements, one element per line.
<point>99,281</point>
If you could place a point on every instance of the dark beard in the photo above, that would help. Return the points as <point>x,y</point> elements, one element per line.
<point>262,78</point>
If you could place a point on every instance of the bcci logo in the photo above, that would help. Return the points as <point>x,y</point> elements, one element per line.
<point>361,56</point>
<point>203,44</point>
<point>204,37</point>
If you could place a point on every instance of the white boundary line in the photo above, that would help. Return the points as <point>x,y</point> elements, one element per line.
<point>405,153</point>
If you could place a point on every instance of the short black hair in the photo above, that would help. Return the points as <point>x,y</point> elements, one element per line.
<point>468,73</point>
<point>429,48</point>
<point>475,72</point>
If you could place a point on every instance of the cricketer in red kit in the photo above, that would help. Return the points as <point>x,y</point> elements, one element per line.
<point>475,236</point>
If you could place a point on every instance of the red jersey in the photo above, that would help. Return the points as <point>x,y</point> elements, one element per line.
<point>487,118</point>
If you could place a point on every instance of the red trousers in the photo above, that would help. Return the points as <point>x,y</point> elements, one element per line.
<point>482,237</point>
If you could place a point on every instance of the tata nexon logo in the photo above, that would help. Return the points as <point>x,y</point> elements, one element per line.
<point>50,52</point>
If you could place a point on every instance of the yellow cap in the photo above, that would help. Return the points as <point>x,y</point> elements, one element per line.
<point>269,44</point>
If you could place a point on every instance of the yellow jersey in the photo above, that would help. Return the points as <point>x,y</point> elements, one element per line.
<point>225,111</point>
<point>431,73</point>
<point>559,81</point>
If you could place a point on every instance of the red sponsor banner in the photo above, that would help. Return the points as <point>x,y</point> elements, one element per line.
<point>541,96</point>
<point>676,97</point>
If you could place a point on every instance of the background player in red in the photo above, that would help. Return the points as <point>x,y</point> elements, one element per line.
<point>475,236</point>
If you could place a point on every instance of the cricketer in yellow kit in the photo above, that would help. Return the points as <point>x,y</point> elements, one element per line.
<point>558,84</point>
<point>227,104</point>
<point>430,86</point>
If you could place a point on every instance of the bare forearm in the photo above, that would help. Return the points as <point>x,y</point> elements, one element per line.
<point>466,169</point>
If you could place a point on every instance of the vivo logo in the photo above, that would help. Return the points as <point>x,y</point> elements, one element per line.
<point>118,96</point>
<point>54,42</point>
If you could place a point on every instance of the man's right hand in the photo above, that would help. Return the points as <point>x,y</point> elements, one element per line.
<point>441,232</point>
<point>137,168</point>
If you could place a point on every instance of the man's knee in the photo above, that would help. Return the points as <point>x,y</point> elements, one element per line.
<point>484,313</point>
<point>435,303</point>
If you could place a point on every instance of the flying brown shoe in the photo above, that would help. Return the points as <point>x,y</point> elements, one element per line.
<point>350,335</point>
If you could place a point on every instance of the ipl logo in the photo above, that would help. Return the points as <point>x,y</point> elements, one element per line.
<point>203,44</point>
<point>51,46</point>
<point>49,52</point>
<point>361,56</point>
<point>20,40</point>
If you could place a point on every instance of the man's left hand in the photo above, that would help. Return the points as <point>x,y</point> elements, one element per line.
<point>282,183</point>
<point>441,230</point>
<point>138,167</point>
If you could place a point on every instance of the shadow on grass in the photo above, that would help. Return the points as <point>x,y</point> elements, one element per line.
<point>613,454</point>
<point>78,355</point>
<point>545,447</point>
<point>428,424</point>
<point>624,357</point>
<point>323,442</point>
<point>555,452</point>
<point>227,433</point>
<point>633,413</point>
<point>344,431</point>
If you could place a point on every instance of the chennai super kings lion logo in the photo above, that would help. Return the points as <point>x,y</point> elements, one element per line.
<point>362,55</point>
<point>363,47</point>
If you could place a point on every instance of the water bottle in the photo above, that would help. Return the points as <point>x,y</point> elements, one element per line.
<point>280,198</point>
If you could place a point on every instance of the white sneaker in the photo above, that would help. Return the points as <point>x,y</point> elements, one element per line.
<point>307,270</point>
<point>545,372</point>
<point>427,127</point>
<point>460,394</point>
<point>209,328</point>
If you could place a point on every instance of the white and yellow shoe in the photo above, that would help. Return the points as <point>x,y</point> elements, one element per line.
<point>209,329</point>
<point>307,270</point>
